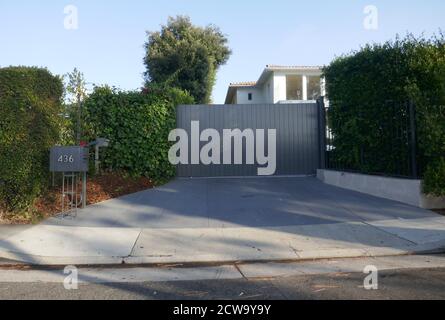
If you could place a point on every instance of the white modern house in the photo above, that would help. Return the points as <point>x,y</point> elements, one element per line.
<point>279,84</point>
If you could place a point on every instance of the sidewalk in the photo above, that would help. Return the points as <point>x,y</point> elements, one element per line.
<point>64,245</point>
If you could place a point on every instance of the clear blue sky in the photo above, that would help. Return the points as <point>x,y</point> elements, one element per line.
<point>108,46</point>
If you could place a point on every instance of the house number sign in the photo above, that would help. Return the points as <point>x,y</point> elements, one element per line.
<point>69,159</point>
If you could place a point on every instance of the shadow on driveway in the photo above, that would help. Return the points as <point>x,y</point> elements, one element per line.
<point>233,202</point>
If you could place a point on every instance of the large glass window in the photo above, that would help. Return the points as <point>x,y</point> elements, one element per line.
<point>313,87</point>
<point>294,88</point>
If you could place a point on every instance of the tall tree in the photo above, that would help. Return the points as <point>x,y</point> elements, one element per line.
<point>77,92</point>
<point>186,56</point>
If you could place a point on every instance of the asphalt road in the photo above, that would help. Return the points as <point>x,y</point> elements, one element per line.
<point>395,284</point>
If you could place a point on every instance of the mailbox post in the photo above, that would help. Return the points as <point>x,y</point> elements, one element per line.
<point>71,161</point>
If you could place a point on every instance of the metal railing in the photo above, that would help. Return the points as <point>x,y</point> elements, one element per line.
<point>386,146</point>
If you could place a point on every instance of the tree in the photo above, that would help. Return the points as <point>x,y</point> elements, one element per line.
<point>186,56</point>
<point>77,92</point>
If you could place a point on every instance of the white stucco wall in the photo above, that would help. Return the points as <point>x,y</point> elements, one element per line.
<point>242,96</point>
<point>268,90</point>
<point>402,190</point>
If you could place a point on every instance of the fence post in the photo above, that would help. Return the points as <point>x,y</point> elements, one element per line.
<point>413,139</point>
<point>322,131</point>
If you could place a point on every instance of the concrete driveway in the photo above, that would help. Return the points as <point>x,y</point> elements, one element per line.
<point>226,220</point>
<point>241,202</point>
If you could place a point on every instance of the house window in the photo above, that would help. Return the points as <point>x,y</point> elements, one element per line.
<point>294,88</point>
<point>313,87</point>
<point>250,96</point>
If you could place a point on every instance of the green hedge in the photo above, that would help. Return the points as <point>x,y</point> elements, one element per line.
<point>137,124</point>
<point>30,103</point>
<point>364,86</point>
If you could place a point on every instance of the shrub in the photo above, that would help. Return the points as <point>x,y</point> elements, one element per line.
<point>30,103</point>
<point>367,91</point>
<point>137,125</point>
<point>434,178</point>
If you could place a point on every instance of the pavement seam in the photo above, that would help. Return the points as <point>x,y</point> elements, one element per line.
<point>387,232</point>
<point>241,273</point>
<point>207,204</point>
<point>134,245</point>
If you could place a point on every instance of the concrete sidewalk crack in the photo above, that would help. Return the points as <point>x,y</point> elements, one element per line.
<point>294,250</point>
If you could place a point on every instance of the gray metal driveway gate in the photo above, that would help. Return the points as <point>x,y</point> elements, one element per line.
<point>298,136</point>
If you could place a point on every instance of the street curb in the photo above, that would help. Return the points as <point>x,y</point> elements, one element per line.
<point>12,260</point>
<point>47,261</point>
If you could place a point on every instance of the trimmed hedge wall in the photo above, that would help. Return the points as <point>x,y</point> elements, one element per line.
<point>30,103</point>
<point>362,87</point>
<point>137,125</point>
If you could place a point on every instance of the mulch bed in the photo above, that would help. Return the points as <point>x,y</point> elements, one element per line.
<point>100,188</point>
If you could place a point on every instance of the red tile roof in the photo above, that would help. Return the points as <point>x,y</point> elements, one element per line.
<point>243,84</point>
<point>272,66</point>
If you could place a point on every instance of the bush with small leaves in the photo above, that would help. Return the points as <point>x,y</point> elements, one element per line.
<point>30,106</point>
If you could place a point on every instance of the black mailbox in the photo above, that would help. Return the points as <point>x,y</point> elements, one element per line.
<point>69,159</point>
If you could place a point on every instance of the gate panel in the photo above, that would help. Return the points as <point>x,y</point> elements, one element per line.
<point>297,125</point>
